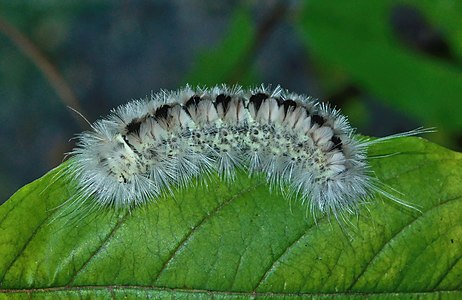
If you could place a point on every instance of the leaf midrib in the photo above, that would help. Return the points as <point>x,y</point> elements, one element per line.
<point>111,288</point>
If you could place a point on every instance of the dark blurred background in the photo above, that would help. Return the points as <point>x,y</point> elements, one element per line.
<point>391,66</point>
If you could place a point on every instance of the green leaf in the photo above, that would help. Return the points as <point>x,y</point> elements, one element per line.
<point>227,62</point>
<point>358,40</point>
<point>240,240</point>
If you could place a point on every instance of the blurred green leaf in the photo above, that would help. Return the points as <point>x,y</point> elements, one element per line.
<point>241,241</point>
<point>446,16</point>
<point>221,64</point>
<point>357,38</point>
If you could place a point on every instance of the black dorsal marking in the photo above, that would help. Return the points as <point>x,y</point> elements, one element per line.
<point>337,142</point>
<point>279,101</point>
<point>318,119</point>
<point>194,100</point>
<point>224,100</point>
<point>133,126</point>
<point>162,112</point>
<point>186,110</point>
<point>289,103</point>
<point>257,99</point>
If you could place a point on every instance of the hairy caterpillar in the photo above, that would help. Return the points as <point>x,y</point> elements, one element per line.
<point>147,147</point>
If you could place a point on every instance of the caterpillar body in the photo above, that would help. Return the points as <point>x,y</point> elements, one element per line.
<point>147,147</point>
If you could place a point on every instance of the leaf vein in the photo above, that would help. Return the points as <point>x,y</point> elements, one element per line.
<point>29,240</point>
<point>199,224</point>
<point>355,281</point>
<point>284,253</point>
<point>98,250</point>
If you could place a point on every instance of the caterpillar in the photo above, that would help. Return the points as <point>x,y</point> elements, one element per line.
<point>148,147</point>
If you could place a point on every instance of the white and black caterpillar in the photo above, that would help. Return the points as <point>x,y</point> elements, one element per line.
<point>147,147</point>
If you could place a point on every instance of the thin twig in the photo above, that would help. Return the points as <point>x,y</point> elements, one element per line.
<point>264,30</point>
<point>54,77</point>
